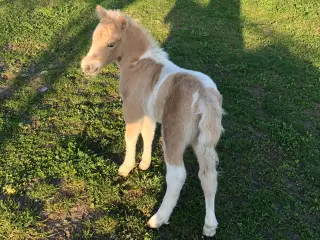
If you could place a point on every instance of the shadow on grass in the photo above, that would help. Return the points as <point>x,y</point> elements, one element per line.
<point>68,44</point>
<point>265,129</point>
<point>61,54</point>
<point>64,52</point>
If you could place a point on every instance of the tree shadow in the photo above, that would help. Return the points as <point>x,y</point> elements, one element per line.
<point>262,97</point>
<point>193,41</point>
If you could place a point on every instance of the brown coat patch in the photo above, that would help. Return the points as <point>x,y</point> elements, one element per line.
<point>179,122</point>
<point>136,84</point>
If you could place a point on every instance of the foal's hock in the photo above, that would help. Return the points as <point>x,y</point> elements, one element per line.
<point>154,89</point>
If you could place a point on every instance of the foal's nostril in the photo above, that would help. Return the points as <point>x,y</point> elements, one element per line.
<point>87,68</point>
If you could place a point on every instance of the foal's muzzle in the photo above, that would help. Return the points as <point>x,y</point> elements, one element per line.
<point>90,66</point>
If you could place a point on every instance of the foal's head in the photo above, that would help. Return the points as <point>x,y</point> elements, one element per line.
<point>106,44</point>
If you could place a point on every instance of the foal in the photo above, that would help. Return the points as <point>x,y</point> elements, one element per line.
<point>154,89</point>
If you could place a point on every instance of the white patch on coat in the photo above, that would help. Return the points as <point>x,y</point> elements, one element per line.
<point>168,69</point>
<point>160,56</point>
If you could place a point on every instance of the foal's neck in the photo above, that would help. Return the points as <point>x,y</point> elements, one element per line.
<point>136,43</point>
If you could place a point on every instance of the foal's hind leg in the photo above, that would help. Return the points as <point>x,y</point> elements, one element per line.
<point>147,132</point>
<point>207,158</point>
<point>175,178</point>
<point>131,136</point>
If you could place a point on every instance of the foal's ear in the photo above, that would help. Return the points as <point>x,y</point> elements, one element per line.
<point>101,12</point>
<point>123,23</point>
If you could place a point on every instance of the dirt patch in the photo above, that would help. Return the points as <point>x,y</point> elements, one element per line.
<point>63,224</point>
<point>80,211</point>
<point>132,195</point>
<point>64,214</point>
<point>72,188</point>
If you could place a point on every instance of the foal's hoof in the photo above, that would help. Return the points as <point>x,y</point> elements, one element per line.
<point>124,170</point>
<point>209,231</point>
<point>155,221</point>
<point>144,165</point>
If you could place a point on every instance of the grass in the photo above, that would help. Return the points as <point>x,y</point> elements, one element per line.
<point>60,148</point>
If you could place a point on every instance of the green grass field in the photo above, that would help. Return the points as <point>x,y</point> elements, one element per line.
<point>62,135</point>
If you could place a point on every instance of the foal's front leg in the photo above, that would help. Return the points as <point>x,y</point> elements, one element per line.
<point>147,132</point>
<point>131,137</point>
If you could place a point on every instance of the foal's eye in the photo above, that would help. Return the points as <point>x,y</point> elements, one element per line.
<point>111,45</point>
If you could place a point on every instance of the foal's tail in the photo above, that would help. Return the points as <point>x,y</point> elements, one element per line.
<point>210,110</point>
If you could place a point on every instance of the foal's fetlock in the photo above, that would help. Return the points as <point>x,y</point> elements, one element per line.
<point>209,231</point>
<point>124,170</point>
<point>144,165</point>
<point>145,162</point>
<point>157,221</point>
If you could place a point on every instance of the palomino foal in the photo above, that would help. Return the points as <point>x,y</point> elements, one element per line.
<point>154,89</point>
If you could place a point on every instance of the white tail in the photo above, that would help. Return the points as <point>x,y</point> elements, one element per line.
<point>210,109</point>
<point>210,129</point>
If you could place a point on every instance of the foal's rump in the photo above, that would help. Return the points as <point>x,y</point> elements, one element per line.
<point>192,112</point>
